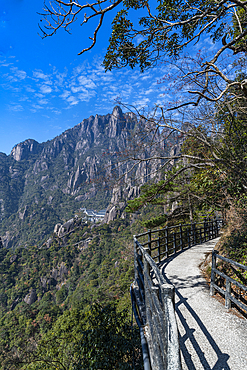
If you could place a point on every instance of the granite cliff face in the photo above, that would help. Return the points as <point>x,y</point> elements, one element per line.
<point>23,150</point>
<point>42,184</point>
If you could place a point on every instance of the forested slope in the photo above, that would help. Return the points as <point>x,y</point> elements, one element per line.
<point>54,294</point>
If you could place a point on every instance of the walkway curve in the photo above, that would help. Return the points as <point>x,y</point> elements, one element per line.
<point>210,337</point>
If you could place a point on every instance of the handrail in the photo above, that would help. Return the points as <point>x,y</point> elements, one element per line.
<point>152,298</point>
<point>173,239</point>
<point>158,319</point>
<point>227,291</point>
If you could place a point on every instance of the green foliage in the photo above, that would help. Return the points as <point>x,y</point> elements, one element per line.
<point>82,291</point>
<point>96,338</point>
<point>234,246</point>
<point>211,178</point>
<point>155,35</point>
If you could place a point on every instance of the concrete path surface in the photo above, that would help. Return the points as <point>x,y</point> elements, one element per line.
<point>210,337</point>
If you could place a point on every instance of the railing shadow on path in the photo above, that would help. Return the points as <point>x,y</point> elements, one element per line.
<point>222,358</point>
<point>189,332</point>
<point>153,249</point>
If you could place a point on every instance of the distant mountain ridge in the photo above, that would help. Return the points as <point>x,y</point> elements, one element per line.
<point>42,184</point>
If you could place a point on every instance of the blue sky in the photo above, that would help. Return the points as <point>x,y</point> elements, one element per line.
<point>46,88</point>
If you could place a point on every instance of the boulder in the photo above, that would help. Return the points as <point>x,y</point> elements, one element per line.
<point>63,271</point>
<point>48,242</point>
<point>13,258</point>
<point>56,228</point>
<point>31,297</point>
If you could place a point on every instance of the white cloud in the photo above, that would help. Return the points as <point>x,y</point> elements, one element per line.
<point>77,89</point>
<point>56,111</point>
<point>72,100</point>
<point>77,70</point>
<point>106,78</point>
<point>4,64</point>
<point>82,84</point>
<point>43,101</point>
<point>29,89</point>
<point>87,95</point>
<point>21,75</point>
<point>15,107</point>
<point>45,89</point>
<point>60,78</point>
<point>142,102</point>
<point>40,75</point>
<point>24,98</point>
<point>146,77</point>
<point>65,94</point>
<point>149,91</point>
<point>86,82</point>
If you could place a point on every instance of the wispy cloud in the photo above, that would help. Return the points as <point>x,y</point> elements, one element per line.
<point>45,89</point>
<point>18,74</point>
<point>86,82</point>
<point>65,94</point>
<point>83,84</point>
<point>40,75</point>
<point>143,102</point>
<point>72,100</point>
<point>43,101</point>
<point>87,95</point>
<point>15,107</point>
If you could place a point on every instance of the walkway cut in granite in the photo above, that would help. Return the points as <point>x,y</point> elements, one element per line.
<point>211,338</point>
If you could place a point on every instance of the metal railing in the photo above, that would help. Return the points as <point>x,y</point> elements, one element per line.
<point>173,239</point>
<point>226,290</point>
<point>153,298</point>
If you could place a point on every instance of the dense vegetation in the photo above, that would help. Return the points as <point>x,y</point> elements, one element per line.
<point>74,290</point>
<point>62,297</point>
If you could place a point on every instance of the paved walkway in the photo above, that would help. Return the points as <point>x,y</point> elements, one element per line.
<point>210,337</point>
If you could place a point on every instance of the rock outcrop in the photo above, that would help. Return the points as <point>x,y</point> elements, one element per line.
<point>31,297</point>
<point>67,227</point>
<point>23,150</point>
<point>49,181</point>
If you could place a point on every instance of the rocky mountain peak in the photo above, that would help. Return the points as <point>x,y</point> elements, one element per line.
<point>117,112</point>
<point>74,170</point>
<point>22,150</point>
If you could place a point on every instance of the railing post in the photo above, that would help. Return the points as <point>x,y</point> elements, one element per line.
<point>145,263</point>
<point>135,260</point>
<point>193,233</point>
<point>188,236</point>
<point>158,242</point>
<point>181,237</point>
<point>166,240</point>
<point>213,230</point>
<point>205,230</point>
<point>173,351</point>
<point>228,303</point>
<point>200,233</point>
<point>217,227</point>
<point>174,242</point>
<point>149,241</point>
<point>210,229</point>
<point>168,292</point>
<point>214,256</point>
